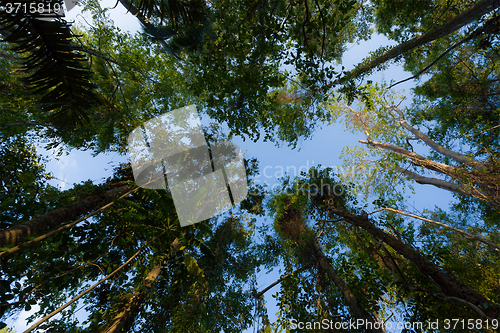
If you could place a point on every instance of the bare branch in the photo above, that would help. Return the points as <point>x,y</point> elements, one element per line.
<point>361,121</point>
<point>440,149</point>
<point>25,124</point>
<point>449,186</point>
<point>439,224</point>
<point>414,157</point>
<point>76,298</point>
<point>464,302</point>
<point>284,277</point>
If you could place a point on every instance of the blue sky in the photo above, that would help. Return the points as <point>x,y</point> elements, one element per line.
<point>324,147</point>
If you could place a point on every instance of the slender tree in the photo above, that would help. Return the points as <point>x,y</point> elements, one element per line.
<point>313,195</point>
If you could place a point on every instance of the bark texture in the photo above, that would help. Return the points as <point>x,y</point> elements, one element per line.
<point>449,285</point>
<point>470,15</point>
<point>124,317</point>
<point>357,310</point>
<point>57,217</point>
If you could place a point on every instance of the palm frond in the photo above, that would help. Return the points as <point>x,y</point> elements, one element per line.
<point>53,65</point>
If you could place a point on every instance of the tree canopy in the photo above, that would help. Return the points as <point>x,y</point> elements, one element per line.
<point>343,247</point>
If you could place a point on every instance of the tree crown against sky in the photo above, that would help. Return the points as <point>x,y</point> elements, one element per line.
<point>118,251</point>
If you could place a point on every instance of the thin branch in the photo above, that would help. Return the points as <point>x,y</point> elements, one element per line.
<point>486,130</point>
<point>496,246</point>
<point>119,85</point>
<point>464,302</point>
<point>362,122</point>
<point>284,277</point>
<point>337,220</point>
<point>74,299</point>
<point>486,28</point>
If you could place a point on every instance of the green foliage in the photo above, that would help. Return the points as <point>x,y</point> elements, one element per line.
<point>371,169</point>
<point>262,68</point>
<point>24,189</point>
<point>400,20</point>
<point>210,269</point>
<point>379,275</point>
<point>237,70</point>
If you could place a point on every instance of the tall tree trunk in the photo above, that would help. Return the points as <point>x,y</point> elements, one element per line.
<point>291,226</point>
<point>133,304</point>
<point>86,291</point>
<point>355,306</point>
<point>58,217</point>
<point>446,281</point>
<point>470,15</point>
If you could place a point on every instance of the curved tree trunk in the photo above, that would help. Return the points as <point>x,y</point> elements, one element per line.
<point>355,306</point>
<point>123,318</point>
<point>446,281</point>
<point>482,186</point>
<point>127,313</point>
<point>470,15</point>
<point>57,217</point>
